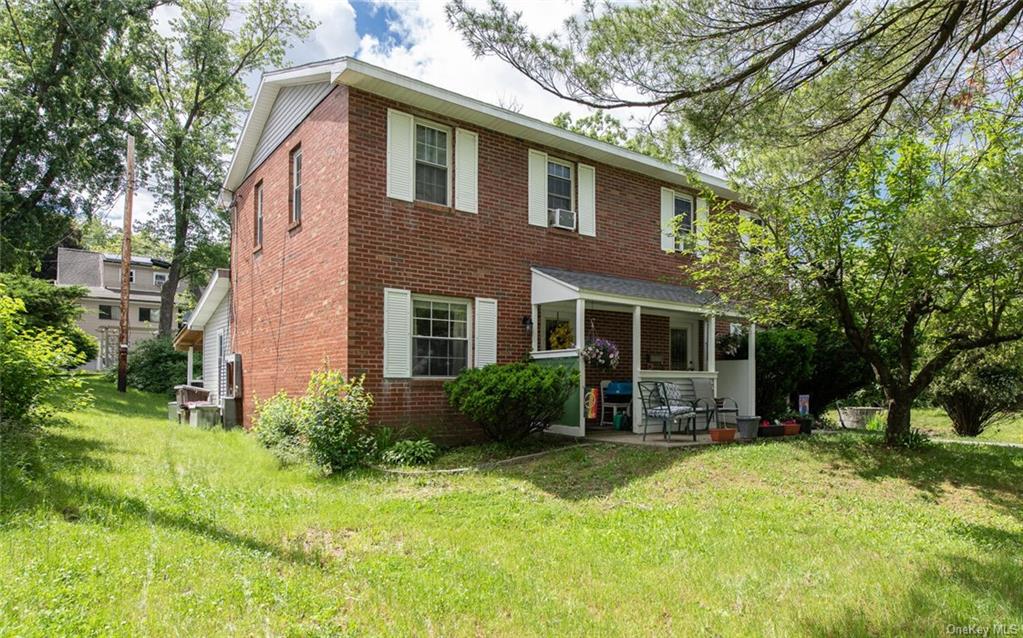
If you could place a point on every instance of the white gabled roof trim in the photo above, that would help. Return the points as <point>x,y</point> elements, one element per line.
<point>216,290</point>
<point>400,88</point>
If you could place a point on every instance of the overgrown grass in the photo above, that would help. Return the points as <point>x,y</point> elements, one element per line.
<point>127,524</point>
<point>935,422</point>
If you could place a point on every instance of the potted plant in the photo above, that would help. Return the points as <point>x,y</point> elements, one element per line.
<point>768,429</point>
<point>601,353</point>
<point>747,427</point>
<point>804,421</point>
<point>722,434</point>
<point>791,426</point>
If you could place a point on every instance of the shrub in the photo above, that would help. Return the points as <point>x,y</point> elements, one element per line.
<point>334,421</point>
<point>410,452</point>
<point>33,368</point>
<point>155,366</point>
<point>877,423</point>
<point>511,401</point>
<point>784,361</point>
<point>277,423</point>
<point>981,386</point>
<point>50,306</point>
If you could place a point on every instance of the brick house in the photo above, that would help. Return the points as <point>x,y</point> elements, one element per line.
<point>391,228</point>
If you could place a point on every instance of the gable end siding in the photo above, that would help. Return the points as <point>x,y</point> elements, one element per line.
<point>292,106</point>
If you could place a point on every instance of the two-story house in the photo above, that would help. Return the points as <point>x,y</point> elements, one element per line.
<point>390,228</point>
<point>100,273</point>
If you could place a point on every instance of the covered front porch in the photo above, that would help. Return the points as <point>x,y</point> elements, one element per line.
<point>664,332</point>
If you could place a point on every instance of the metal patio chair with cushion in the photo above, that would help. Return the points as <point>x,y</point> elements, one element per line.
<point>691,408</point>
<point>704,389</point>
<point>657,407</point>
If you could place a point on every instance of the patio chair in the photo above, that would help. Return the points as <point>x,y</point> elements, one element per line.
<point>704,389</point>
<point>657,407</point>
<point>690,407</point>
<point>615,404</point>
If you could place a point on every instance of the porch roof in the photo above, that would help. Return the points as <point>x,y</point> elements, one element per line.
<point>556,284</point>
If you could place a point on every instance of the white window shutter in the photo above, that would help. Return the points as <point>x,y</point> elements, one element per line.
<point>397,333</point>
<point>486,331</point>
<point>587,200</point>
<point>537,188</point>
<point>702,217</point>
<point>466,171</point>
<point>401,148</point>
<point>667,220</point>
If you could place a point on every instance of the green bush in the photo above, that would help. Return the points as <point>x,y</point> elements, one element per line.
<point>512,401</point>
<point>334,421</point>
<point>50,306</point>
<point>277,423</point>
<point>411,452</point>
<point>784,361</point>
<point>155,366</point>
<point>34,366</point>
<point>981,386</point>
<point>877,423</point>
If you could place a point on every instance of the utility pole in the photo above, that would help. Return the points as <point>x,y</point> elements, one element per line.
<point>129,191</point>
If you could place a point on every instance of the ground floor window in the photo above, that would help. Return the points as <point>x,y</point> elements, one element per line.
<point>440,337</point>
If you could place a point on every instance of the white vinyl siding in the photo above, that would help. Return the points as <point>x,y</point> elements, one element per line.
<point>466,171</point>
<point>587,200</point>
<point>397,333</point>
<point>486,332</point>
<point>401,146</point>
<point>212,371</point>
<point>537,188</point>
<point>292,105</point>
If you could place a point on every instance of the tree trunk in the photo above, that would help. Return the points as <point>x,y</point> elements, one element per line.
<point>181,203</point>
<point>899,406</point>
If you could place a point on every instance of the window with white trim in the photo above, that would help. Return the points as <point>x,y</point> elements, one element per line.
<point>440,337</point>
<point>559,185</point>
<point>296,185</point>
<point>131,276</point>
<point>159,279</point>
<point>258,222</point>
<point>106,312</point>
<point>684,215</point>
<point>432,164</point>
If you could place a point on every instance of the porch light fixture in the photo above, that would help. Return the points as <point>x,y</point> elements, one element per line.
<point>527,324</point>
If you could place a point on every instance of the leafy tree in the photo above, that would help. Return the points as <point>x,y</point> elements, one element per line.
<point>980,387</point>
<point>898,246</point>
<point>784,363</point>
<point>155,366</point>
<point>67,95</point>
<point>715,68</point>
<point>102,237</point>
<point>54,308</point>
<point>196,74</point>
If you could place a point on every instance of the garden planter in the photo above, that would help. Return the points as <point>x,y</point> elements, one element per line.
<point>722,435</point>
<point>806,425</point>
<point>748,426</point>
<point>771,430</point>
<point>791,428</point>
<point>857,417</point>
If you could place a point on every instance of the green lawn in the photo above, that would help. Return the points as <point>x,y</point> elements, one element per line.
<point>126,524</point>
<point>935,422</point>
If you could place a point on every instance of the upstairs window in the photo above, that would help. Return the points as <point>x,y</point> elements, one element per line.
<point>106,312</point>
<point>258,222</point>
<point>145,315</point>
<point>296,185</point>
<point>159,279</point>
<point>431,164</point>
<point>559,185</point>
<point>440,338</point>
<point>131,276</point>
<point>683,219</point>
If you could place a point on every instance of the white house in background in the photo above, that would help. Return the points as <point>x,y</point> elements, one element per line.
<point>100,274</point>
<point>208,329</point>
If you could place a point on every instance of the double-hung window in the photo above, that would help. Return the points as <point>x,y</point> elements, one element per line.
<point>159,279</point>
<point>431,164</point>
<point>106,312</point>
<point>683,219</point>
<point>145,315</point>
<point>296,185</point>
<point>440,337</point>
<point>131,276</point>
<point>258,225</point>
<point>559,185</point>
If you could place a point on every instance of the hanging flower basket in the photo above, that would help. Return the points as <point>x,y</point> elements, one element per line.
<point>602,354</point>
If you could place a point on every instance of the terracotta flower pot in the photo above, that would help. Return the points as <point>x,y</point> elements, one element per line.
<point>722,435</point>
<point>791,428</point>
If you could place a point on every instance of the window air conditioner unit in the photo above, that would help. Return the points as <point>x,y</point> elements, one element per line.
<point>561,218</point>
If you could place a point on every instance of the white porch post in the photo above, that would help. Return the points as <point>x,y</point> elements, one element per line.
<point>712,366</point>
<point>533,343</point>
<point>188,372</point>
<point>580,331</point>
<point>751,368</point>
<point>637,401</point>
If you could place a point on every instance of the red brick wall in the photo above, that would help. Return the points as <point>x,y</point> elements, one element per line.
<point>289,298</point>
<point>434,250</point>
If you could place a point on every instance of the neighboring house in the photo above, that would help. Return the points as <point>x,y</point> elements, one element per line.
<point>208,329</point>
<point>390,228</point>
<point>100,274</point>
